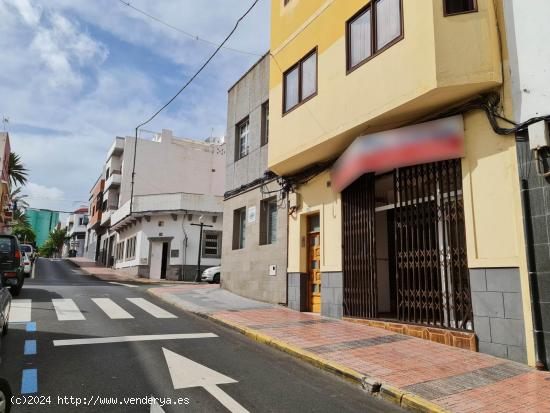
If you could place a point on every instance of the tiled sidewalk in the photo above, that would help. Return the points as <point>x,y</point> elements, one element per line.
<point>109,274</point>
<point>453,379</point>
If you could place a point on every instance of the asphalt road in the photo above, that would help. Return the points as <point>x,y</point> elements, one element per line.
<point>263,379</point>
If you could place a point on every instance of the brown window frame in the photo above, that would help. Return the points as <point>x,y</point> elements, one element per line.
<point>237,230</point>
<point>299,64</point>
<point>265,128</point>
<point>447,14</point>
<point>371,6</point>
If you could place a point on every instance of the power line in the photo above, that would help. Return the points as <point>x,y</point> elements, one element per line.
<point>179,92</point>
<point>190,35</point>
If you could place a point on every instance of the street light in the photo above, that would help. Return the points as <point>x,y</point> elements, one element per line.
<point>202,225</point>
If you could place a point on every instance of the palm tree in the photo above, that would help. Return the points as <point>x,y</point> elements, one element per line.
<point>16,170</point>
<point>17,197</point>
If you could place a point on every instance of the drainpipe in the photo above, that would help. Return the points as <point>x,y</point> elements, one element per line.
<point>538,334</point>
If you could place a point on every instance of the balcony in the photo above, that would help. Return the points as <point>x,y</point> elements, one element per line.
<point>116,148</point>
<point>113,181</point>
<point>106,215</point>
<point>147,204</point>
<point>440,61</point>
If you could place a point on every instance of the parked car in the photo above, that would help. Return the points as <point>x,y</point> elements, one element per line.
<point>11,263</point>
<point>212,275</point>
<point>5,305</point>
<point>27,265</point>
<point>29,249</point>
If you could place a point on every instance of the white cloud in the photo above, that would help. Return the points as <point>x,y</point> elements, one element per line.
<point>93,70</point>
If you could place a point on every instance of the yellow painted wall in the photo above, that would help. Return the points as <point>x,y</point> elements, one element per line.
<point>398,86</point>
<point>316,197</point>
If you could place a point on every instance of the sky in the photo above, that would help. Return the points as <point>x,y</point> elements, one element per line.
<point>76,73</point>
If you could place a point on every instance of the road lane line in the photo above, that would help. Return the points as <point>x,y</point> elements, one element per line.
<point>228,402</point>
<point>129,339</point>
<point>112,309</point>
<point>151,308</point>
<point>125,285</point>
<point>66,309</point>
<point>30,347</point>
<point>20,311</point>
<point>29,381</point>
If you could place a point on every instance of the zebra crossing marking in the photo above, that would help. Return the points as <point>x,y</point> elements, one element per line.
<point>20,311</point>
<point>67,310</point>
<point>151,308</point>
<point>112,309</point>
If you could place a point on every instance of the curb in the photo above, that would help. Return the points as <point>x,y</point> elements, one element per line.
<point>387,392</point>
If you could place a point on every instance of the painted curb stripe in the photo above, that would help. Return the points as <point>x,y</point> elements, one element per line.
<point>31,327</point>
<point>30,347</point>
<point>29,381</point>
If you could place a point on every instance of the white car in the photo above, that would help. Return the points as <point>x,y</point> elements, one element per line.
<point>212,275</point>
<point>27,264</point>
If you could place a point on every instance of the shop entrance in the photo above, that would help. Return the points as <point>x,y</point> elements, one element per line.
<point>404,247</point>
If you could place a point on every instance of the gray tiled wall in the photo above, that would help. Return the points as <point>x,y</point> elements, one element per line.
<point>332,293</point>
<point>498,313</point>
<point>297,290</point>
<point>539,217</point>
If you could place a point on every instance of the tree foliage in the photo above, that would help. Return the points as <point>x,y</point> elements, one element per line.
<point>16,170</point>
<point>53,245</point>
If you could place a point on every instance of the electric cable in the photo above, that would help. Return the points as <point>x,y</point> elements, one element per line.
<point>190,35</point>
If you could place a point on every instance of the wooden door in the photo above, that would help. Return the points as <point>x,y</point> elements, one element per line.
<point>314,272</point>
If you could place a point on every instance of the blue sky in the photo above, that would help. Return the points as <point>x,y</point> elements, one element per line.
<point>77,73</point>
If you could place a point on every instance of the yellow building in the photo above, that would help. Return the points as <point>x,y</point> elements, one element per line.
<point>418,224</point>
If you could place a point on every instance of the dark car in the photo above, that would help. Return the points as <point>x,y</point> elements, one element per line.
<point>11,264</point>
<point>5,305</point>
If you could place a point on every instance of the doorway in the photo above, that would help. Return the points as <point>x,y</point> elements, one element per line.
<point>404,247</point>
<point>164,260</point>
<point>159,251</point>
<point>314,262</point>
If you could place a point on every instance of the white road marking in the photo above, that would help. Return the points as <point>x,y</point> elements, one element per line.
<point>126,285</point>
<point>155,408</point>
<point>128,339</point>
<point>186,373</point>
<point>151,308</point>
<point>20,311</point>
<point>112,309</point>
<point>66,309</point>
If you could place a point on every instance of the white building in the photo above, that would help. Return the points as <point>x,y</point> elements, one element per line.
<point>152,227</point>
<point>75,226</point>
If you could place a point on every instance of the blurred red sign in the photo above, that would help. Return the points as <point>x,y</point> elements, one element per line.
<point>412,145</point>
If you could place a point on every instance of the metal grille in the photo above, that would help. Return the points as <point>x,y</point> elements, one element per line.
<point>359,249</point>
<point>432,272</point>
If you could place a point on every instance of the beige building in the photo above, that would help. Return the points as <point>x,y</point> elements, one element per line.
<point>255,214</point>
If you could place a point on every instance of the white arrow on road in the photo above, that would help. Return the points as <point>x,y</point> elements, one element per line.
<point>186,373</point>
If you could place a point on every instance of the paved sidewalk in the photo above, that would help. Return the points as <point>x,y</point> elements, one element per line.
<point>414,373</point>
<point>108,274</point>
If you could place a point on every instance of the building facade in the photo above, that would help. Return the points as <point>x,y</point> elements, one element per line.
<point>42,221</point>
<point>529,60</point>
<point>150,228</point>
<point>94,231</point>
<point>75,227</point>
<point>404,204</point>
<point>255,213</point>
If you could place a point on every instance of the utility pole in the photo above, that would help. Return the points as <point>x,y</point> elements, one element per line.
<point>202,225</point>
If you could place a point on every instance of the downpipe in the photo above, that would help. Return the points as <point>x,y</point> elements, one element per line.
<point>538,333</point>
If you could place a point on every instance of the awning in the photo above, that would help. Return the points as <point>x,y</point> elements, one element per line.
<point>433,141</point>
